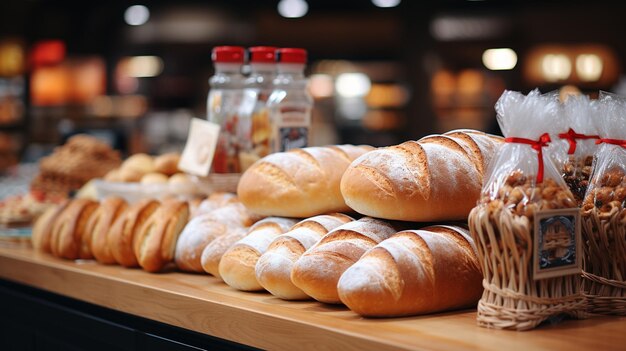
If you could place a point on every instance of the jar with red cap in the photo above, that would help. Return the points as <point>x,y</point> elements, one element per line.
<point>257,89</point>
<point>223,102</point>
<point>290,103</point>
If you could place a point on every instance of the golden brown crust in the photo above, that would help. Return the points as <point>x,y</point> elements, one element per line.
<point>42,230</point>
<point>121,235</point>
<point>100,223</point>
<point>213,252</point>
<point>167,163</point>
<point>69,228</point>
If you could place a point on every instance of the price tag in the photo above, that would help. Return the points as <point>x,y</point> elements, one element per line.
<point>200,147</point>
<point>557,243</point>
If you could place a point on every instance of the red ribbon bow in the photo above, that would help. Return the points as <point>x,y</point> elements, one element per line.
<point>537,145</point>
<point>571,137</point>
<point>618,142</point>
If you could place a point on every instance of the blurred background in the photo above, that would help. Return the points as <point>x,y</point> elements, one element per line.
<point>381,71</point>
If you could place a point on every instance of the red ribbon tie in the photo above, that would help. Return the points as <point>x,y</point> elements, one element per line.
<point>537,145</point>
<point>571,137</point>
<point>618,142</point>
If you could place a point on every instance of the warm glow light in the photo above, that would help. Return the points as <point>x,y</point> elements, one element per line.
<point>321,85</point>
<point>136,15</point>
<point>144,66</point>
<point>556,67</point>
<point>353,85</point>
<point>589,67</point>
<point>386,3</point>
<point>293,8</point>
<point>499,59</point>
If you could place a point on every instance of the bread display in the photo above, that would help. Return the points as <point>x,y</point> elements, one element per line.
<point>414,272</point>
<point>69,229</point>
<point>298,183</point>
<point>122,233</point>
<point>237,266</point>
<point>318,270</point>
<point>146,169</point>
<point>167,164</point>
<point>100,223</point>
<point>42,230</point>
<point>155,242</point>
<point>213,252</point>
<point>438,177</point>
<point>215,201</point>
<point>273,270</point>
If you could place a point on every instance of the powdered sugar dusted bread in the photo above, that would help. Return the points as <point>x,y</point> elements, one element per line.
<point>213,252</point>
<point>273,270</point>
<point>414,272</point>
<point>317,271</point>
<point>298,183</point>
<point>237,264</point>
<point>436,178</point>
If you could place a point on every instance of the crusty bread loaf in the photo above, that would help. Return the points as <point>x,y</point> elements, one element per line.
<point>436,178</point>
<point>98,227</point>
<point>236,267</point>
<point>214,201</point>
<point>213,252</point>
<point>414,272</point>
<point>122,233</point>
<point>317,271</point>
<point>273,270</point>
<point>69,229</point>
<point>155,242</point>
<point>42,230</point>
<point>298,183</point>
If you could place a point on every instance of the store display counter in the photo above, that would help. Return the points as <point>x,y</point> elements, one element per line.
<point>203,304</point>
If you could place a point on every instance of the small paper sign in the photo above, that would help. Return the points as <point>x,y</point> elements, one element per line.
<point>200,147</point>
<point>557,243</point>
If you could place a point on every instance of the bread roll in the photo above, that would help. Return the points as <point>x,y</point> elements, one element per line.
<point>100,223</point>
<point>41,237</point>
<point>122,233</point>
<point>69,229</point>
<point>213,252</point>
<point>318,270</point>
<point>273,270</point>
<point>298,183</point>
<point>436,178</point>
<point>167,163</point>
<point>155,242</point>
<point>414,272</point>
<point>140,162</point>
<point>182,184</point>
<point>215,201</point>
<point>154,178</point>
<point>236,267</point>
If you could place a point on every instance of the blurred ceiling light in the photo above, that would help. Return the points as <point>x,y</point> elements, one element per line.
<point>353,85</point>
<point>386,3</point>
<point>448,28</point>
<point>143,66</point>
<point>499,59</point>
<point>293,8</point>
<point>555,67</point>
<point>136,15</point>
<point>321,85</point>
<point>589,67</point>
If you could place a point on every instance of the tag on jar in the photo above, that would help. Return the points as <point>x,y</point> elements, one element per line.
<point>200,147</point>
<point>557,243</point>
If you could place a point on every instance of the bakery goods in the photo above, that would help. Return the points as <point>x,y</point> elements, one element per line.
<point>273,270</point>
<point>41,237</point>
<point>318,270</point>
<point>215,201</point>
<point>436,178</point>
<point>167,163</point>
<point>213,252</point>
<point>154,178</point>
<point>155,242</point>
<point>70,228</point>
<point>237,265</point>
<point>110,209</point>
<point>298,183</point>
<point>122,233</point>
<point>182,184</point>
<point>414,272</point>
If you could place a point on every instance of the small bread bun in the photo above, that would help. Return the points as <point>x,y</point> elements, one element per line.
<point>180,183</point>
<point>130,175</point>
<point>154,178</point>
<point>114,175</point>
<point>167,163</point>
<point>69,229</point>
<point>99,225</point>
<point>142,163</point>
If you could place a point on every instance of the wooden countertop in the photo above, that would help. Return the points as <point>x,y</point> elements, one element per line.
<point>202,303</point>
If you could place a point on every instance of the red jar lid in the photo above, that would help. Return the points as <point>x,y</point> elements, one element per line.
<point>292,55</point>
<point>228,54</point>
<point>263,54</point>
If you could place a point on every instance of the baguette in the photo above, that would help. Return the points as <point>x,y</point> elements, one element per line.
<point>155,242</point>
<point>42,230</point>
<point>236,267</point>
<point>298,183</point>
<point>69,229</point>
<point>98,227</point>
<point>318,270</point>
<point>414,272</point>
<point>436,178</point>
<point>122,233</point>
<point>273,270</point>
<point>213,252</point>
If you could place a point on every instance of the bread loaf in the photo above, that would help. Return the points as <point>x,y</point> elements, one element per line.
<point>42,230</point>
<point>99,225</point>
<point>69,229</point>
<point>298,183</point>
<point>273,270</point>
<point>213,252</point>
<point>436,178</point>
<point>414,272</point>
<point>122,233</point>
<point>236,267</point>
<point>155,242</point>
<point>214,201</point>
<point>318,270</point>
